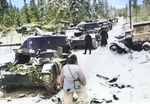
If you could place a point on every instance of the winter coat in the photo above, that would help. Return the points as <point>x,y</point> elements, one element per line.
<point>104,38</point>
<point>88,39</point>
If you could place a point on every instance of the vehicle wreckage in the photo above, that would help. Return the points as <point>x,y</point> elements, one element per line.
<point>136,39</point>
<point>38,62</point>
<point>77,34</point>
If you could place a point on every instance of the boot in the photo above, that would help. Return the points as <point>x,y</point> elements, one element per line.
<point>85,51</point>
<point>89,51</point>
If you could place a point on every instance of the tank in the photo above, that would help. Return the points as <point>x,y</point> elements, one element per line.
<point>76,35</point>
<point>38,62</point>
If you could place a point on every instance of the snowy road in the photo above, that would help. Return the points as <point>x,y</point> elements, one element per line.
<point>104,62</point>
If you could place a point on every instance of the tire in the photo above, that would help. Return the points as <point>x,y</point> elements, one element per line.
<point>48,83</point>
<point>120,51</point>
<point>114,48</point>
<point>146,47</point>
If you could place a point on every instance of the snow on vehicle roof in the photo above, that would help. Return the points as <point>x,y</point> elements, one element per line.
<point>39,31</point>
<point>141,23</point>
<point>104,26</point>
<point>81,23</point>
<point>129,30</point>
<point>87,23</point>
<point>92,23</point>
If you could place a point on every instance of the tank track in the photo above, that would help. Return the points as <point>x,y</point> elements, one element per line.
<point>49,83</point>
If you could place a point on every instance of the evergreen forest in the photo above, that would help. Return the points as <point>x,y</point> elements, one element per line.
<point>52,12</point>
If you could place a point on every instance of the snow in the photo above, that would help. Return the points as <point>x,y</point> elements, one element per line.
<point>81,23</point>
<point>1,94</point>
<point>7,54</point>
<point>133,68</point>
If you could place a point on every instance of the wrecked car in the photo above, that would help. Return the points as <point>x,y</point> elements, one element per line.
<point>136,39</point>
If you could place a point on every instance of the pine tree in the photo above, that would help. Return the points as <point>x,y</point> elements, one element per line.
<point>4,11</point>
<point>100,11</point>
<point>34,12</point>
<point>106,8</point>
<point>136,9</point>
<point>42,10</point>
<point>146,4</point>
<point>25,13</point>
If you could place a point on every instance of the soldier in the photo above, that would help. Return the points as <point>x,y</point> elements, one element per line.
<point>88,43</point>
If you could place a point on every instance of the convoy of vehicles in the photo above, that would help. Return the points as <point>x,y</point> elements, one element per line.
<point>39,60</point>
<point>76,34</point>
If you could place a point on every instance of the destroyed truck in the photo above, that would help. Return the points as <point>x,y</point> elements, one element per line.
<point>38,62</point>
<point>137,39</point>
<point>77,34</point>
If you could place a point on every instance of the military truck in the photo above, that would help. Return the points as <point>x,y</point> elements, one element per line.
<point>77,34</point>
<point>38,62</point>
<point>136,39</point>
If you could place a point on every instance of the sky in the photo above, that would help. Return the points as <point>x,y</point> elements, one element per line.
<point>114,3</point>
<point>121,3</point>
<point>19,3</point>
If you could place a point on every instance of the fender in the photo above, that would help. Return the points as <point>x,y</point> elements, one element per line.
<point>146,43</point>
<point>121,45</point>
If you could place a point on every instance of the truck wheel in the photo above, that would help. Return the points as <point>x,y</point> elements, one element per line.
<point>113,48</point>
<point>120,51</point>
<point>146,47</point>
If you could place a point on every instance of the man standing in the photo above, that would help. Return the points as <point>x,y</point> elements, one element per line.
<point>88,43</point>
<point>104,37</point>
<point>71,72</point>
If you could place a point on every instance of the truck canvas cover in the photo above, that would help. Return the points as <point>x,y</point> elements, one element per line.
<point>141,31</point>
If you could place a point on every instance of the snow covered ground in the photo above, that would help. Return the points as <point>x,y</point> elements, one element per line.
<point>133,68</point>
